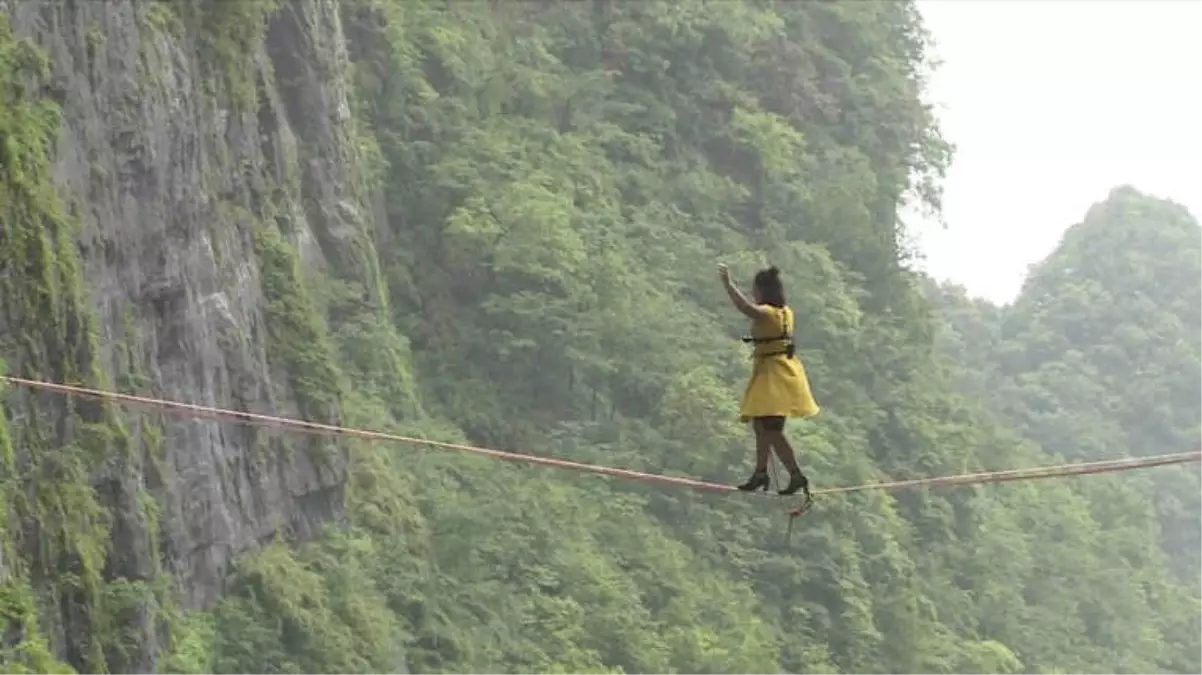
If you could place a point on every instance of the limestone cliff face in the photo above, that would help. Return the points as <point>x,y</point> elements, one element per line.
<point>205,163</point>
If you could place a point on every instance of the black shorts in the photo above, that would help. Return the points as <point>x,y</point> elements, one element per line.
<point>770,423</point>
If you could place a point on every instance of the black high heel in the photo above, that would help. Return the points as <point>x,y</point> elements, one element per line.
<point>797,481</point>
<point>758,481</point>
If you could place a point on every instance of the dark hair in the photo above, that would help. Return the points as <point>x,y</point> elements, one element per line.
<point>772,291</point>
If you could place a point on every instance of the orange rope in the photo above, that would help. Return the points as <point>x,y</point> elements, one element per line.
<point>1056,471</point>
<point>206,412</point>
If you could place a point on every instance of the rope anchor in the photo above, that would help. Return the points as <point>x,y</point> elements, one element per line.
<point>797,512</point>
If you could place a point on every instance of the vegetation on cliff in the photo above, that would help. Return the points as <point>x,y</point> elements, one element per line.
<point>58,453</point>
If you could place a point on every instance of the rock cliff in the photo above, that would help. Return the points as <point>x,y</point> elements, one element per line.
<point>194,174</point>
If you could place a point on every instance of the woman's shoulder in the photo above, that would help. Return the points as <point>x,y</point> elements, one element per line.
<point>769,315</point>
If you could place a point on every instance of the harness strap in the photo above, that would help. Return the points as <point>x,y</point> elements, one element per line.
<point>785,335</point>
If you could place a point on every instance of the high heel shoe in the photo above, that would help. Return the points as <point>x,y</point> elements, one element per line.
<point>797,481</point>
<point>758,481</point>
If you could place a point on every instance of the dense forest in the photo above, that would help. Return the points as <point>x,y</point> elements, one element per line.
<point>522,255</point>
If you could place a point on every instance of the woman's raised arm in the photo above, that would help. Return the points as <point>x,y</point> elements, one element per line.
<point>739,300</point>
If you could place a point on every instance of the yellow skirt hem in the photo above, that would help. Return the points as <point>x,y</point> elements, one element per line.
<point>791,414</point>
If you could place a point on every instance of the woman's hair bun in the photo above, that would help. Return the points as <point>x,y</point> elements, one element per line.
<point>773,271</point>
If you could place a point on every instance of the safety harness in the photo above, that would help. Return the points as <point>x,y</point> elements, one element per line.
<point>785,336</point>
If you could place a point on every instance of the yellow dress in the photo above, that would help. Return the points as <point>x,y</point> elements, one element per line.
<point>778,386</point>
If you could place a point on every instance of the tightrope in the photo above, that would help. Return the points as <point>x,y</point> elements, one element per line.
<point>191,410</point>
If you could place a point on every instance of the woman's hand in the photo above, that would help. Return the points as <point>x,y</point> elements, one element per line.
<point>736,296</point>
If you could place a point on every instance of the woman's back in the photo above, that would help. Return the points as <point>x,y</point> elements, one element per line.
<point>772,331</point>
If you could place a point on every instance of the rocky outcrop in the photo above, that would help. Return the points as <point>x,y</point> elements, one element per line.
<point>206,157</point>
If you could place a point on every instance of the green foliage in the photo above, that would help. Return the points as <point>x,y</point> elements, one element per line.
<point>192,643</point>
<point>230,31</point>
<point>296,335</point>
<point>29,653</point>
<point>1098,358</point>
<point>55,541</point>
<point>559,179</point>
<point>25,649</point>
<point>317,614</point>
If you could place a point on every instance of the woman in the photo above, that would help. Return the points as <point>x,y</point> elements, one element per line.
<point>778,387</point>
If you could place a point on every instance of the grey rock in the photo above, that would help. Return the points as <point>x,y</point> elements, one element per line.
<point>154,163</point>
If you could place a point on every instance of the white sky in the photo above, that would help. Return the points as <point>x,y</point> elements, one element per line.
<point>1051,103</point>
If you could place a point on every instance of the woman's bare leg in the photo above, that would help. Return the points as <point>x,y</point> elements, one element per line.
<point>763,446</point>
<point>784,451</point>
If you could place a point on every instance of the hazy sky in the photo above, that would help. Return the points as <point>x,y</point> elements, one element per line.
<point>1051,104</point>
